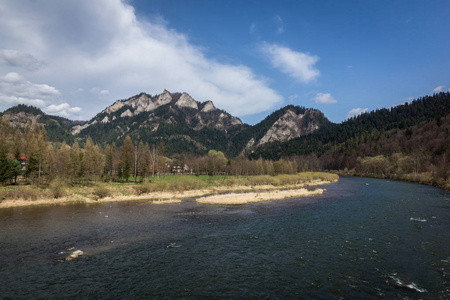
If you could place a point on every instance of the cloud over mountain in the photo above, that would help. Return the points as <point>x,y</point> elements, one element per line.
<point>298,65</point>
<point>356,111</point>
<point>324,98</point>
<point>102,46</point>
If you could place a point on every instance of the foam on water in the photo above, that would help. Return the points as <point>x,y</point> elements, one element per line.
<point>417,219</point>
<point>400,283</point>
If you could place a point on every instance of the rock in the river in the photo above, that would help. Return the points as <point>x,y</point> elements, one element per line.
<point>75,254</point>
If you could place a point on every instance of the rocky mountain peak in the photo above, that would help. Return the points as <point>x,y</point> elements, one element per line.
<point>288,123</point>
<point>186,101</point>
<point>141,103</point>
<point>209,106</point>
<point>115,107</point>
<point>164,98</point>
<point>285,128</point>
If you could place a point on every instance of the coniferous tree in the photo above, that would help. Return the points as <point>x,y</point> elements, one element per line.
<point>75,162</point>
<point>88,161</point>
<point>36,144</point>
<point>126,158</point>
<point>63,162</point>
<point>4,165</point>
<point>49,167</point>
<point>110,158</point>
<point>99,162</point>
<point>145,160</point>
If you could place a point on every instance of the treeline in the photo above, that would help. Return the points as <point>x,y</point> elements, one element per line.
<point>407,142</point>
<point>28,154</point>
<point>418,154</point>
<point>401,117</point>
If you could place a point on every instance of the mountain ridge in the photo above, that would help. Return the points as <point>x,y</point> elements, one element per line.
<point>184,124</point>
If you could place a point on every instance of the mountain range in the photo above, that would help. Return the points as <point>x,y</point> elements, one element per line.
<point>182,123</point>
<point>408,142</point>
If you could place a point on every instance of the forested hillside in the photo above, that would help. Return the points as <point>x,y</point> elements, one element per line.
<point>164,124</point>
<point>57,128</point>
<point>257,131</point>
<point>409,142</point>
<point>399,117</point>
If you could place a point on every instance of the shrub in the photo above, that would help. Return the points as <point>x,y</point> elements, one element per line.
<point>160,185</point>
<point>57,189</point>
<point>101,191</point>
<point>447,185</point>
<point>144,188</point>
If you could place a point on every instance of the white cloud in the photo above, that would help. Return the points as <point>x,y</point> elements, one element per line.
<point>103,44</point>
<point>438,89</point>
<point>14,90</point>
<point>63,109</point>
<point>298,65</point>
<point>324,98</point>
<point>356,112</point>
<point>12,77</point>
<point>279,24</point>
<point>12,84</point>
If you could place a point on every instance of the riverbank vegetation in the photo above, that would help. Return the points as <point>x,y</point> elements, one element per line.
<point>168,189</point>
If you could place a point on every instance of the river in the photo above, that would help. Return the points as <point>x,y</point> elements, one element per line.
<point>361,239</point>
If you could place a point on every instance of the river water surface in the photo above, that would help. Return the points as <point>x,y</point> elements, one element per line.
<point>362,239</point>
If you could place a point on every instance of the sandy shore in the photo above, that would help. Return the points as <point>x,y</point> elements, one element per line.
<point>242,198</point>
<point>239,195</point>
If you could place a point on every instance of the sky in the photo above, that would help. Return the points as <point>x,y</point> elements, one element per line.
<point>74,58</point>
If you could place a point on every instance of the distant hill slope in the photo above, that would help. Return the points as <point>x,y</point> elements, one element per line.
<point>58,128</point>
<point>427,141</point>
<point>285,124</point>
<point>400,117</point>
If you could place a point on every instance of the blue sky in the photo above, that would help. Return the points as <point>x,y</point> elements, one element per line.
<point>74,58</point>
